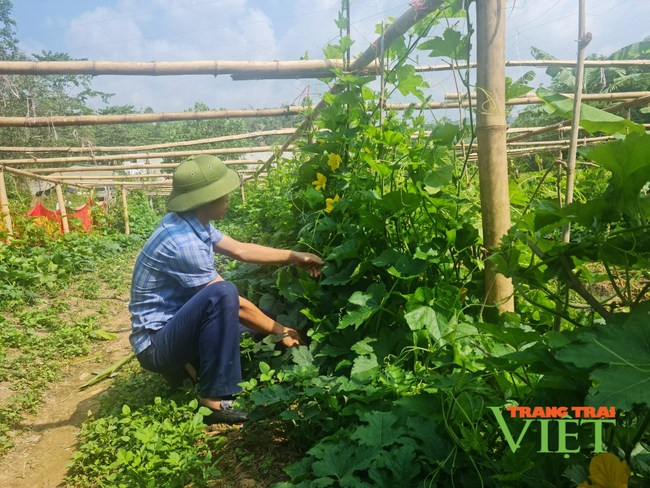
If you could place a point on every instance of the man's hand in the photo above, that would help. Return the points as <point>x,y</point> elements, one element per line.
<point>292,338</point>
<point>308,261</point>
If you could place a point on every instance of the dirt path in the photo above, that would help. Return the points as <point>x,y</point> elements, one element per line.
<point>41,454</point>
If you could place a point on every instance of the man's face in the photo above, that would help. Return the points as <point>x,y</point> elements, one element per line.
<point>219,207</point>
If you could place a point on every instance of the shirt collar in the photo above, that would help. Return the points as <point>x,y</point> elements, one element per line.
<point>203,232</point>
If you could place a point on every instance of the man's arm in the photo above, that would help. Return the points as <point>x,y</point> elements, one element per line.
<point>256,254</point>
<point>253,318</point>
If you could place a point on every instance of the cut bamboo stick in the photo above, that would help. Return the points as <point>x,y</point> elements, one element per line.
<point>64,213</point>
<point>127,228</point>
<point>149,147</point>
<point>147,155</point>
<point>4,205</point>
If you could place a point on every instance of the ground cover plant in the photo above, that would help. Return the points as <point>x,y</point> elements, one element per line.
<point>40,331</point>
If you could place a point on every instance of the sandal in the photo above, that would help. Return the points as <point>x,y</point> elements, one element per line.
<point>225,415</point>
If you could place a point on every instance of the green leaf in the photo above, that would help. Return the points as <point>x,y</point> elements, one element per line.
<point>420,318</point>
<point>629,162</point>
<point>302,356</point>
<point>517,336</point>
<point>619,354</point>
<point>365,367</point>
<point>380,431</point>
<point>102,334</point>
<point>426,431</point>
<point>591,118</point>
<point>632,51</point>
<point>348,249</point>
<point>438,178</point>
<point>341,460</point>
<point>401,471</point>
<point>449,45</point>
<point>515,89</point>
<point>407,267</point>
<point>368,303</point>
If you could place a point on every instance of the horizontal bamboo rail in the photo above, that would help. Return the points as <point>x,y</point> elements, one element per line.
<point>83,120</point>
<point>133,156</point>
<point>585,97</point>
<point>81,169</point>
<point>197,142</point>
<point>248,70</point>
<point>27,174</point>
<point>565,123</point>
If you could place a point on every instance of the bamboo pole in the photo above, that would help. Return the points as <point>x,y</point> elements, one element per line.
<point>127,229</point>
<point>247,70</point>
<point>28,174</point>
<point>83,120</point>
<point>4,206</point>
<point>565,123</point>
<point>601,97</point>
<point>584,40</point>
<point>130,157</point>
<point>83,169</point>
<point>397,29</point>
<point>64,213</point>
<point>149,147</point>
<point>491,132</point>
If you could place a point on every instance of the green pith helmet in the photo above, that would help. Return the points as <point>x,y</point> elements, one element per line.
<point>200,180</point>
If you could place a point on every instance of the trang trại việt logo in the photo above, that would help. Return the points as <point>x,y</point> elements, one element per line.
<point>563,417</point>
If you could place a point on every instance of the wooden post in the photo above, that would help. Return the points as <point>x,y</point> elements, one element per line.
<point>491,133</point>
<point>127,229</point>
<point>92,194</point>
<point>241,185</point>
<point>4,204</point>
<point>584,39</point>
<point>64,214</point>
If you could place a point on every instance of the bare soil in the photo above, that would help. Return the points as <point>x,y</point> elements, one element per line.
<point>42,452</point>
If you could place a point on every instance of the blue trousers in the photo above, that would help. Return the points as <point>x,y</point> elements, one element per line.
<point>206,328</point>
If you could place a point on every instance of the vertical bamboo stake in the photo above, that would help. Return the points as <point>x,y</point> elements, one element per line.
<point>92,194</point>
<point>127,229</point>
<point>64,213</point>
<point>382,85</point>
<point>241,185</point>
<point>4,204</point>
<point>583,41</point>
<point>491,132</point>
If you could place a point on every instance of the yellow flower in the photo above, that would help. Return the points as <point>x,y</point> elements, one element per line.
<point>607,471</point>
<point>334,161</point>
<point>320,182</point>
<point>330,203</point>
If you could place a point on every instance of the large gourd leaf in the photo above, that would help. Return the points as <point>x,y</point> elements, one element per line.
<point>619,352</point>
<point>629,162</point>
<point>591,118</point>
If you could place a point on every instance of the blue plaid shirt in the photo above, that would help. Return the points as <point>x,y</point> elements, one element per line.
<point>177,258</point>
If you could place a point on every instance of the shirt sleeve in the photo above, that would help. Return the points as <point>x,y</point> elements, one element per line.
<point>192,266</point>
<point>215,234</point>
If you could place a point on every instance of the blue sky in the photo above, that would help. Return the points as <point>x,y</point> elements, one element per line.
<point>186,30</point>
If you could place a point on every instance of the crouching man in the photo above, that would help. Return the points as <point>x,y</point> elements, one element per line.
<point>182,311</point>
